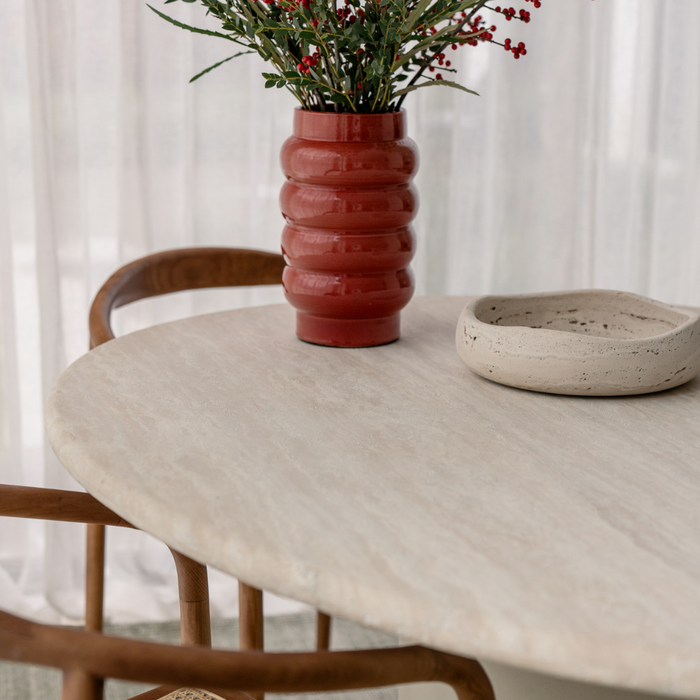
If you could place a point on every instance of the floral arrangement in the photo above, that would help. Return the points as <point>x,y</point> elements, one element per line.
<point>360,56</point>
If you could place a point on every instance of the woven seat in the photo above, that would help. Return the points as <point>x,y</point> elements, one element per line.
<point>191,694</point>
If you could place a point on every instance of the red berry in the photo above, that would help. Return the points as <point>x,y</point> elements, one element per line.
<point>438,76</point>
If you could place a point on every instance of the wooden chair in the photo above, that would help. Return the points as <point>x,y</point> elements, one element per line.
<point>155,275</point>
<point>87,654</point>
<point>87,658</point>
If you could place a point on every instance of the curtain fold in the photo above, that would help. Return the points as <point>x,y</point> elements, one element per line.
<point>578,166</point>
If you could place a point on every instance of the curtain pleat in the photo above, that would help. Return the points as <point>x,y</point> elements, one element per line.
<point>577,166</point>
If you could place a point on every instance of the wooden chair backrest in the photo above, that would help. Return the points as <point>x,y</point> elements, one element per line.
<point>176,271</point>
<point>94,655</point>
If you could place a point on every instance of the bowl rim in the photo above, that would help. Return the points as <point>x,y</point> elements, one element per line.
<point>468,314</point>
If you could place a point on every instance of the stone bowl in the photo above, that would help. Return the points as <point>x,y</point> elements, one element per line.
<point>588,342</point>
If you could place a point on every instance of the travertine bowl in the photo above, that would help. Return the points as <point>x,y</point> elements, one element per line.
<point>587,342</point>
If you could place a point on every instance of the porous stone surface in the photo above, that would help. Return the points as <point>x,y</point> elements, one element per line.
<point>587,342</point>
<point>393,487</point>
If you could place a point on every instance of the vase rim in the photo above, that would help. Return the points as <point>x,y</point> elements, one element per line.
<point>349,126</point>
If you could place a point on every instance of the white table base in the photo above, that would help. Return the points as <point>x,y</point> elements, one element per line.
<point>511,683</point>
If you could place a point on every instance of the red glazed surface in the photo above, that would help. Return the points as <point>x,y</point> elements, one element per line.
<point>348,202</point>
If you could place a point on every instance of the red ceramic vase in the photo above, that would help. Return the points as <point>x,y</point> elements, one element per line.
<point>348,202</point>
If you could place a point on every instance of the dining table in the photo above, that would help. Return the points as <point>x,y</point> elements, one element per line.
<point>391,486</point>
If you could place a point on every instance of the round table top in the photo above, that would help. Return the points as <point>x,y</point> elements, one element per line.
<point>393,487</point>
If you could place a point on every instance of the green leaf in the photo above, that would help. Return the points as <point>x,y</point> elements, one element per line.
<point>377,67</point>
<point>414,16</point>
<point>447,83</point>
<point>270,83</point>
<point>196,30</point>
<point>464,5</point>
<point>216,65</point>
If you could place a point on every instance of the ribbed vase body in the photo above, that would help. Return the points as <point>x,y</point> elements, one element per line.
<point>348,202</point>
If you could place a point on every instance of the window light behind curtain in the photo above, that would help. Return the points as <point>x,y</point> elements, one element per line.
<point>579,166</point>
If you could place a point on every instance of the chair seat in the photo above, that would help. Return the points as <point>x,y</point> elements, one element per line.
<point>166,693</point>
<point>191,694</point>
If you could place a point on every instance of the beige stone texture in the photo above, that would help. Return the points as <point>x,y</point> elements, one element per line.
<point>587,342</point>
<point>394,487</point>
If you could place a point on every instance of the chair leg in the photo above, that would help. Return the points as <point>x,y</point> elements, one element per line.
<point>323,631</point>
<point>95,578</point>
<point>250,623</point>
<point>81,686</point>
<point>193,586</point>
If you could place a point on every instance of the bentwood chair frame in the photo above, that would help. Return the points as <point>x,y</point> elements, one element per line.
<point>83,655</point>
<point>154,275</point>
<point>73,506</point>
<point>87,658</point>
<point>160,273</point>
<point>76,507</point>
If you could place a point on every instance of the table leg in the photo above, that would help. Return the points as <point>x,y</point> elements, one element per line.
<point>428,691</point>
<point>510,683</point>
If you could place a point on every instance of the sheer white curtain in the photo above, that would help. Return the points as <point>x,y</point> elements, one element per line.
<point>579,166</point>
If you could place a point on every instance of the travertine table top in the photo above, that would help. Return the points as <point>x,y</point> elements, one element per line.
<point>393,487</point>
